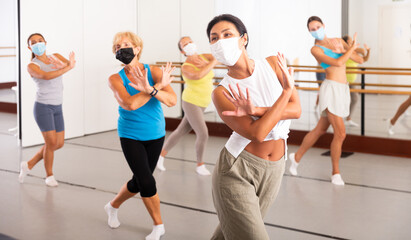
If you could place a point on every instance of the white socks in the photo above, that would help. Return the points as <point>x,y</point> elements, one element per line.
<point>390,127</point>
<point>24,170</point>
<point>337,179</point>
<point>112,215</point>
<point>293,165</point>
<point>351,123</point>
<point>202,170</point>
<point>158,231</point>
<point>160,164</point>
<point>51,181</point>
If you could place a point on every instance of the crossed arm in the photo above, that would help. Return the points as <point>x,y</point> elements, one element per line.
<point>61,66</point>
<point>139,81</point>
<point>236,110</point>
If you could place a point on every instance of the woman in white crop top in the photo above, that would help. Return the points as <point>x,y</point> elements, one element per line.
<point>248,174</point>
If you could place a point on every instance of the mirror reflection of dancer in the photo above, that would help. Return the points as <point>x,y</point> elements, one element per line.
<point>139,89</point>
<point>47,72</point>
<point>248,174</point>
<point>364,55</point>
<point>334,101</point>
<point>401,109</point>
<point>198,76</point>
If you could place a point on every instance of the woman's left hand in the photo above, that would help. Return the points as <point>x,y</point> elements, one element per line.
<point>243,104</point>
<point>166,77</point>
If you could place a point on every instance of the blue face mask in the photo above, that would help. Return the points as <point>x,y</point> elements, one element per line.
<point>39,48</point>
<point>319,34</point>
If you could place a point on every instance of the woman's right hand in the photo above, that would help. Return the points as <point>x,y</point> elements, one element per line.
<point>139,79</point>
<point>288,74</point>
<point>243,105</point>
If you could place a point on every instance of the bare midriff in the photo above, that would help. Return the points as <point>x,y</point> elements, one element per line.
<point>272,150</point>
<point>336,74</point>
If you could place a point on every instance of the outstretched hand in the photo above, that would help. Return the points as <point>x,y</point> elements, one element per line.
<point>338,47</point>
<point>166,77</point>
<point>288,74</point>
<point>72,60</point>
<point>139,79</point>
<point>57,63</point>
<point>243,104</point>
<point>354,43</point>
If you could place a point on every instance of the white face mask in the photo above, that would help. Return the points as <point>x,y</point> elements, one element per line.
<point>190,49</point>
<point>226,51</point>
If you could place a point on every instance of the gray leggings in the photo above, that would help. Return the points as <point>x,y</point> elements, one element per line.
<point>354,100</point>
<point>193,120</point>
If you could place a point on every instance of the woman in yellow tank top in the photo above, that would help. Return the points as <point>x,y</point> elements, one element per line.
<point>198,75</point>
<point>351,77</point>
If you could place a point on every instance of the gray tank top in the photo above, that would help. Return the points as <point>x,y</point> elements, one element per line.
<point>48,91</point>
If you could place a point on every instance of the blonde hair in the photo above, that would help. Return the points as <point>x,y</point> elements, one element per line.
<point>134,39</point>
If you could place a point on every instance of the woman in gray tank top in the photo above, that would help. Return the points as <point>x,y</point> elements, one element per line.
<point>46,71</point>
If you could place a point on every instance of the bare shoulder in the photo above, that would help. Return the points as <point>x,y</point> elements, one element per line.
<point>114,78</point>
<point>156,73</point>
<point>218,92</point>
<point>272,60</point>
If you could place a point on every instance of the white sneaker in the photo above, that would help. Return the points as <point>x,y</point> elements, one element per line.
<point>351,123</point>
<point>336,179</point>
<point>390,127</point>
<point>293,165</point>
<point>160,164</point>
<point>24,170</point>
<point>202,170</point>
<point>51,181</point>
<point>112,221</point>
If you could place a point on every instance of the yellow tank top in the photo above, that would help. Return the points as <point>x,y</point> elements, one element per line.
<point>198,92</point>
<point>351,76</point>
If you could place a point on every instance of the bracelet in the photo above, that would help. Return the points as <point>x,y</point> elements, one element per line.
<point>154,92</point>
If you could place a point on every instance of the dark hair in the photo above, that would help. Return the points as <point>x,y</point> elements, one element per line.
<point>229,18</point>
<point>179,46</point>
<point>345,38</point>
<point>314,18</point>
<point>28,42</point>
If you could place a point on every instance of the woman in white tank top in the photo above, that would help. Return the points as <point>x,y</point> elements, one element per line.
<point>248,174</point>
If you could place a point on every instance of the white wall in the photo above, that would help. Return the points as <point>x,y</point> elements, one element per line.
<point>162,23</point>
<point>276,25</point>
<point>8,28</point>
<point>86,27</point>
<point>364,19</point>
<point>100,107</point>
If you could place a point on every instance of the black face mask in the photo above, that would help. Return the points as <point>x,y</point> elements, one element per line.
<point>125,55</point>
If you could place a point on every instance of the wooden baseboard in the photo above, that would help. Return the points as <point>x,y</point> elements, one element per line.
<point>7,85</point>
<point>352,143</point>
<point>8,107</point>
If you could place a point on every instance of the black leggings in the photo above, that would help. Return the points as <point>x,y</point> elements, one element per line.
<point>142,157</point>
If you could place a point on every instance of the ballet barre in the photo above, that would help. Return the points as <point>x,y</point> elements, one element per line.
<point>351,70</point>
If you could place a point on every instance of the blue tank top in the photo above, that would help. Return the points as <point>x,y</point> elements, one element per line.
<point>329,53</point>
<point>145,123</point>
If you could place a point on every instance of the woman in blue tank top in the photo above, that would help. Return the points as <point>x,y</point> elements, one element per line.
<point>139,89</point>
<point>47,72</point>
<point>334,95</point>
